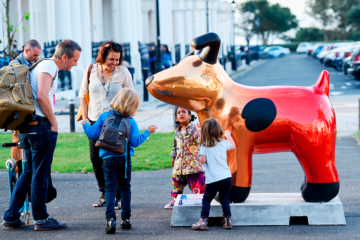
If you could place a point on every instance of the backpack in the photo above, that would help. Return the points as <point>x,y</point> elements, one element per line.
<point>16,97</point>
<point>115,133</point>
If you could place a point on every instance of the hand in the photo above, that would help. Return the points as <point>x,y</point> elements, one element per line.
<point>85,121</point>
<point>227,133</point>
<point>198,127</point>
<point>172,162</point>
<point>152,128</point>
<point>54,128</point>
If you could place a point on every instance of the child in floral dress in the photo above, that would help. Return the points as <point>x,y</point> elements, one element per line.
<point>187,169</point>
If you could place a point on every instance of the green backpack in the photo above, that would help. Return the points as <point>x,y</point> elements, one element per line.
<point>16,98</point>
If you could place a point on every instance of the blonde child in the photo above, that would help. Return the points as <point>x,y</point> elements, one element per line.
<point>187,169</point>
<point>218,176</point>
<point>117,168</point>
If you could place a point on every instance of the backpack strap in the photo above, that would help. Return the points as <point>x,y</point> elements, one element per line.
<point>39,61</point>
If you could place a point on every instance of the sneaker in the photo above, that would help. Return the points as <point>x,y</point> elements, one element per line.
<point>16,224</point>
<point>202,224</point>
<point>170,205</point>
<point>110,226</point>
<point>226,222</point>
<point>51,224</point>
<point>125,224</point>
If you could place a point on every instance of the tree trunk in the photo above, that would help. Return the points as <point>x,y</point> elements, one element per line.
<point>7,9</point>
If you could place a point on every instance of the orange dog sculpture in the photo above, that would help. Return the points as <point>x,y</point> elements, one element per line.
<point>262,119</point>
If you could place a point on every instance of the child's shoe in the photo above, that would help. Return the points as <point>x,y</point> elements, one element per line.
<point>202,224</point>
<point>125,224</point>
<point>226,223</point>
<point>110,226</point>
<point>170,205</point>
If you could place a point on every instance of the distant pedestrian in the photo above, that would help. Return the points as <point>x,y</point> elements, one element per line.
<point>152,59</point>
<point>28,57</point>
<point>107,78</point>
<point>144,55</point>
<point>187,169</point>
<point>218,176</point>
<point>166,57</point>
<point>117,167</point>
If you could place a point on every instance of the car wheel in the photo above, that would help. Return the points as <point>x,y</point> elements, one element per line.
<point>282,55</point>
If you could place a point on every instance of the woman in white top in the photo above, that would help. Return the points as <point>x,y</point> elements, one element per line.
<point>107,78</point>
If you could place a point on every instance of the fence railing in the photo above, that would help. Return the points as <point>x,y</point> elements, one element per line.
<point>95,47</point>
<point>187,49</point>
<point>64,78</point>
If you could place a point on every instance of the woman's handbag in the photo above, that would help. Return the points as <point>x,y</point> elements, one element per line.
<point>86,96</point>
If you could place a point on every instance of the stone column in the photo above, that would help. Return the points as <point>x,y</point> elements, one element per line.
<point>178,25</point>
<point>189,22</point>
<point>63,19</point>
<point>97,20</point>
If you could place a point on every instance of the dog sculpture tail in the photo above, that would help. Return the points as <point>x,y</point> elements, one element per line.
<point>323,82</point>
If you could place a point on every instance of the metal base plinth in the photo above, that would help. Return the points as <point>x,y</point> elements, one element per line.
<point>264,209</point>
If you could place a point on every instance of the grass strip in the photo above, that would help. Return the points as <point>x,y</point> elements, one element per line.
<point>72,153</point>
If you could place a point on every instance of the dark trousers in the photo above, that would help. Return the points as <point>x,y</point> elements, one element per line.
<point>97,163</point>
<point>39,142</point>
<point>223,187</point>
<point>114,170</point>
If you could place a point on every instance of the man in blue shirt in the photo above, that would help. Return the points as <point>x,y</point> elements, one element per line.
<point>31,53</point>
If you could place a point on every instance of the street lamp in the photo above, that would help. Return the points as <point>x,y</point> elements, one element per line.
<point>158,66</point>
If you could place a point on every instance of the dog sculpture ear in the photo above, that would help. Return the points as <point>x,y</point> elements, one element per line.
<point>210,44</point>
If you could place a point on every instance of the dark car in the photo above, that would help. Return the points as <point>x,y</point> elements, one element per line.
<point>254,52</point>
<point>354,68</point>
<point>346,65</point>
<point>342,55</point>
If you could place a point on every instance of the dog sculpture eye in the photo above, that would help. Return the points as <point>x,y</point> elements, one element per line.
<point>259,114</point>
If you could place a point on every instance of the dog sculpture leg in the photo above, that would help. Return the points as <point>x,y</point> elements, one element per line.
<point>318,163</point>
<point>242,177</point>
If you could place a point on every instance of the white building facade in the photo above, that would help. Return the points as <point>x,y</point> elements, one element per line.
<point>123,21</point>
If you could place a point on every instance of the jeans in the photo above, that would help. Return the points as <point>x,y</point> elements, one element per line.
<point>97,163</point>
<point>114,171</point>
<point>39,144</point>
<point>223,187</point>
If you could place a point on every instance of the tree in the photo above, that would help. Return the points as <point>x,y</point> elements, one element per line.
<point>309,34</point>
<point>353,16</point>
<point>322,11</point>
<point>274,19</point>
<point>10,50</point>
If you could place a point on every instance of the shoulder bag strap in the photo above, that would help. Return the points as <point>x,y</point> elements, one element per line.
<point>88,76</point>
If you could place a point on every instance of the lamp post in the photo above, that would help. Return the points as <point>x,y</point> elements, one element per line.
<point>257,24</point>
<point>207,16</point>
<point>234,62</point>
<point>158,66</point>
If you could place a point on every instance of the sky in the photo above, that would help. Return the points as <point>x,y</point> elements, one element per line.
<point>297,7</point>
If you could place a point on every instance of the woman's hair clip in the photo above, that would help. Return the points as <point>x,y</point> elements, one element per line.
<point>107,45</point>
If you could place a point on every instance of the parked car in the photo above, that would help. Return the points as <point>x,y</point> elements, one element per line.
<point>354,68</point>
<point>341,54</point>
<point>275,51</point>
<point>317,49</point>
<point>346,65</point>
<point>324,51</point>
<point>255,52</point>
<point>304,47</point>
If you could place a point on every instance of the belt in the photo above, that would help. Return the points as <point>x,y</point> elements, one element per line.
<point>39,119</point>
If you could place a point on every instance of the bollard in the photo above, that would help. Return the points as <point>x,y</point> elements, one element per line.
<point>145,72</point>
<point>72,114</point>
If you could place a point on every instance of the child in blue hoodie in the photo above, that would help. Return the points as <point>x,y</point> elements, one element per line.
<point>116,169</point>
